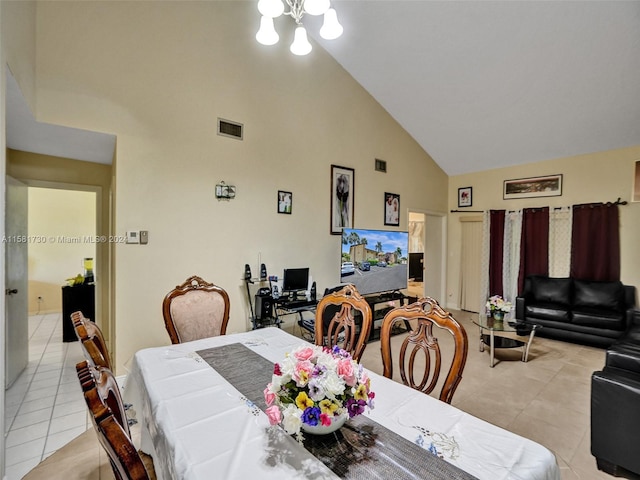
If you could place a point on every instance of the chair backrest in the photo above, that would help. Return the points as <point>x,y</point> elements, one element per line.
<point>343,328</point>
<point>194,310</point>
<point>422,315</point>
<point>92,340</point>
<point>113,434</point>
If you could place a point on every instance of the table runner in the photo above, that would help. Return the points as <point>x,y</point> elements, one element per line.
<point>361,449</point>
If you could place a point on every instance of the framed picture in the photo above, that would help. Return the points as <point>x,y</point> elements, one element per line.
<point>464,197</point>
<point>391,209</point>
<point>285,199</point>
<point>549,186</point>
<point>342,193</point>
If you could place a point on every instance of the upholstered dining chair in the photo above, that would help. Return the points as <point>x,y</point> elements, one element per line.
<point>194,310</point>
<point>92,340</point>
<point>422,316</point>
<point>343,328</point>
<point>103,399</point>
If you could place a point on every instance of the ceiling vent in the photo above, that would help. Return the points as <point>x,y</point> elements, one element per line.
<point>381,166</point>
<point>227,128</point>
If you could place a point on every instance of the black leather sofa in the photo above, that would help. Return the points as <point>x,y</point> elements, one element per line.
<point>615,406</point>
<point>592,313</point>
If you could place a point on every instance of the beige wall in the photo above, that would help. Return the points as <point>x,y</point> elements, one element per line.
<point>157,74</point>
<point>596,177</point>
<point>62,224</point>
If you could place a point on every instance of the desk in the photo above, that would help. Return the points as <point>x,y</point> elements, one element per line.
<point>197,426</point>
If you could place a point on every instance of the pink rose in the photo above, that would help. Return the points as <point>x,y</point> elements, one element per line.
<point>304,354</point>
<point>274,414</point>
<point>345,370</point>
<point>302,372</point>
<point>269,396</point>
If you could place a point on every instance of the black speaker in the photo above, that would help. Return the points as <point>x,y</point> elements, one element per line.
<point>313,291</point>
<point>264,307</point>
<point>263,271</point>
<point>247,272</point>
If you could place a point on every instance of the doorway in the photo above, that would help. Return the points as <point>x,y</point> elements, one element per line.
<point>427,256</point>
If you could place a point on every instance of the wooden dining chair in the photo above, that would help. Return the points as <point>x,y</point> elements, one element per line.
<point>107,414</point>
<point>194,310</point>
<point>422,316</point>
<point>92,340</point>
<point>344,328</point>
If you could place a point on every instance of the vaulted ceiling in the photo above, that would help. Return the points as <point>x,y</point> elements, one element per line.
<point>479,84</point>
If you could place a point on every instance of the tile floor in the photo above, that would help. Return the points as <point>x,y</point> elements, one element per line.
<point>546,399</point>
<point>44,407</point>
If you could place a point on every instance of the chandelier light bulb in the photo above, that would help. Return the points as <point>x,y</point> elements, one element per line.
<point>316,7</point>
<point>331,28</point>
<point>267,34</point>
<point>271,8</point>
<point>300,45</point>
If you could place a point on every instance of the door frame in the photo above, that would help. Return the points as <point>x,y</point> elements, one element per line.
<point>441,219</point>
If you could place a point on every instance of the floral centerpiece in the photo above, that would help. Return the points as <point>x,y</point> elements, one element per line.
<point>317,387</point>
<point>498,306</point>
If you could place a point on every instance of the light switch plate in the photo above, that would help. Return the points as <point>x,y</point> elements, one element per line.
<point>144,237</point>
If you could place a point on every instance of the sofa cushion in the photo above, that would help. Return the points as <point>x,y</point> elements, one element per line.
<point>625,356</point>
<point>548,290</point>
<point>596,317</point>
<point>602,295</point>
<point>548,311</point>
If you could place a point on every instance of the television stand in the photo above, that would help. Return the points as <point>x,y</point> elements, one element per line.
<point>379,310</point>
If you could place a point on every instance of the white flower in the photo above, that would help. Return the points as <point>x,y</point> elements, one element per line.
<point>333,384</point>
<point>291,420</point>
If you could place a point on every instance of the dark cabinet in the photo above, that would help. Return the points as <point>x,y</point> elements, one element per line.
<point>79,297</point>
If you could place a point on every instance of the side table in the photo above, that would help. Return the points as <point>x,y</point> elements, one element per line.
<point>493,341</point>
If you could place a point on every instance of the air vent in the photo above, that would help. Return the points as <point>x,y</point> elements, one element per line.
<point>227,128</point>
<point>381,166</point>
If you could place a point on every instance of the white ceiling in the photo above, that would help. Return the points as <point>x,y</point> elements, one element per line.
<point>479,84</point>
<point>487,84</point>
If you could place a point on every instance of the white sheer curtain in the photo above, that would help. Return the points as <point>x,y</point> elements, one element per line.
<point>511,254</point>
<point>484,264</point>
<point>560,242</point>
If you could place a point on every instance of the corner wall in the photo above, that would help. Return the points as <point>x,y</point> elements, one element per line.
<point>595,177</point>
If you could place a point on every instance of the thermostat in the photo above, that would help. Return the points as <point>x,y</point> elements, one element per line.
<point>133,237</point>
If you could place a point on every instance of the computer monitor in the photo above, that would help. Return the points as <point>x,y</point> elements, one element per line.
<point>295,279</point>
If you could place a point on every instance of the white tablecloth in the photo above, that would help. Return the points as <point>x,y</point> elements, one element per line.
<point>199,427</point>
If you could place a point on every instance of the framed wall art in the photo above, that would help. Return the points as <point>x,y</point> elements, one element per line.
<point>464,197</point>
<point>391,209</point>
<point>342,193</point>
<point>549,186</point>
<point>285,200</point>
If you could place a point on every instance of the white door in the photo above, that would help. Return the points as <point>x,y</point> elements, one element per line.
<point>16,316</point>
<point>434,257</point>
<point>470,263</point>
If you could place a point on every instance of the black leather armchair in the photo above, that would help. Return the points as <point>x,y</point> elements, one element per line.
<point>615,406</point>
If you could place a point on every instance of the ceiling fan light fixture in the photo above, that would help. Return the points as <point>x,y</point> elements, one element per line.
<point>331,28</point>
<point>316,7</point>
<point>267,34</point>
<point>300,45</point>
<point>271,8</point>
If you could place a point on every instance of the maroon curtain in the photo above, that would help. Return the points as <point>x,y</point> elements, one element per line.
<point>496,246</point>
<point>595,242</point>
<point>534,244</point>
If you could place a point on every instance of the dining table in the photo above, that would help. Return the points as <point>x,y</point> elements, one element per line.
<point>200,408</point>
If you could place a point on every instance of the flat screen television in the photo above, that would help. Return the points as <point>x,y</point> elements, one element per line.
<point>375,261</point>
<point>295,279</point>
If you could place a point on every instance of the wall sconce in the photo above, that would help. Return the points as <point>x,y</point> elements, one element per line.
<point>225,192</point>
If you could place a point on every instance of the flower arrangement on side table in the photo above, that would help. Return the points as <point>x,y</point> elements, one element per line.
<point>498,306</point>
<point>317,387</point>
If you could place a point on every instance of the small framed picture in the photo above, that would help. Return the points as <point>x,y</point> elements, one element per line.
<point>391,209</point>
<point>342,195</point>
<point>285,199</point>
<point>464,197</point>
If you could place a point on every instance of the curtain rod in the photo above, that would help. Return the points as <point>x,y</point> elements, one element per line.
<point>619,201</point>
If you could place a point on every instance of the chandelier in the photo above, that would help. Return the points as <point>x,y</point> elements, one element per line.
<point>271,9</point>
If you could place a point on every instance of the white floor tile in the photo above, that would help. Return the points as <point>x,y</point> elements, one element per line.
<point>25,451</point>
<point>22,436</point>
<point>57,440</point>
<point>31,418</point>
<point>68,422</point>
<point>19,470</point>
<point>39,404</point>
